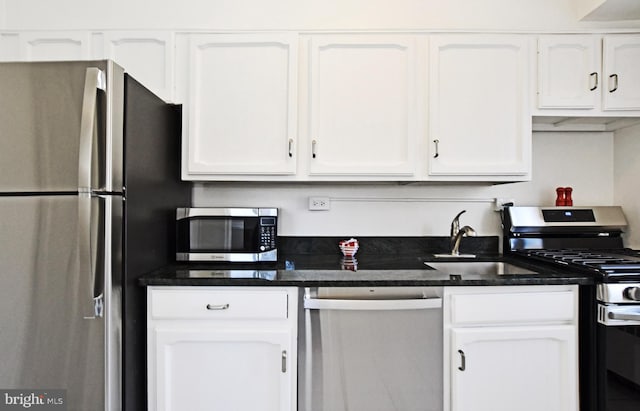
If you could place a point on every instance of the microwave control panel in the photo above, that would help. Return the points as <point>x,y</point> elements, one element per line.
<point>268,233</point>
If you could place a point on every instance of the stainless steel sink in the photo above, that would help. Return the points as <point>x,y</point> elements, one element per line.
<point>478,268</point>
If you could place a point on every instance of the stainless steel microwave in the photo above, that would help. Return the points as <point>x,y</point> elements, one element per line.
<point>227,234</point>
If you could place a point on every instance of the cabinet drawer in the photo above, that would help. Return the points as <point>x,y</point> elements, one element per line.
<point>517,307</point>
<point>217,304</point>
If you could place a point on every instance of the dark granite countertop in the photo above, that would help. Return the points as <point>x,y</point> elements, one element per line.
<point>315,270</point>
<point>380,261</point>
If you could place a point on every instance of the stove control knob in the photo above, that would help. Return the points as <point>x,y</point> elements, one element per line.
<point>632,293</point>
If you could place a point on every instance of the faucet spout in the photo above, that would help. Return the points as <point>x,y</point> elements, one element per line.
<point>455,224</point>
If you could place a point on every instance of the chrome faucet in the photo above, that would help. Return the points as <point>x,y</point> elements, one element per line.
<point>457,233</point>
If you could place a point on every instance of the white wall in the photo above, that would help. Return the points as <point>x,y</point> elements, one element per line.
<point>298,14</point>
<point>627,173</point>
<point>583,161</point>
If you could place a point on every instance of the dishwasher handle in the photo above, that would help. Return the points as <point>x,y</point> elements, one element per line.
<point>381,305</point>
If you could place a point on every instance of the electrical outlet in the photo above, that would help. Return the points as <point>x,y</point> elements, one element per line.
<point>498,204</point>
<point>319,203</point>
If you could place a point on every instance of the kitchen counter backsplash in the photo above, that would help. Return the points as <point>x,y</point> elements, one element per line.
<point>380,246</point>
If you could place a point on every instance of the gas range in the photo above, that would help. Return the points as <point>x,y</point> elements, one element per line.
<point>589,240</point>
<point>584,239</point>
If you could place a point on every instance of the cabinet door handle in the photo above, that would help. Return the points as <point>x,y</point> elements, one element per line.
<point>463,361</point>
<point>436,142</point>
<point>284,361</point>
<point>214,307</point>
<point>290,147</point>
<point>615,79</point>
<point>313,148</point>
<point>594,76</point>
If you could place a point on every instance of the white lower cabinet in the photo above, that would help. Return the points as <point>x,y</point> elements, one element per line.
<point>511,348</point>
<point>235,348</point>
<point>221,348</point>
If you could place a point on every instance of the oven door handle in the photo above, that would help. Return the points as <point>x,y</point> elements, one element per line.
<point>624,315</point>
<point>385,305</point>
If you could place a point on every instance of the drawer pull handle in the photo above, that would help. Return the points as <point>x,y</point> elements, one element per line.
<point>217,307</point>
<point>463,361</point>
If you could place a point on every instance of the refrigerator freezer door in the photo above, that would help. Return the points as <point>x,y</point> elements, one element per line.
<point>46,341</point>
<point>41,117</point>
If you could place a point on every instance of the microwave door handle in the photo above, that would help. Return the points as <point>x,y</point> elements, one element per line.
<point>94,80</point>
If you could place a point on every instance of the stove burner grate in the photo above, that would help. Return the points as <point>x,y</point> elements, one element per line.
<point>609,265</point>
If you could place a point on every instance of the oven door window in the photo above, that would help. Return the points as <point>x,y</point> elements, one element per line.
<point>220,234</point>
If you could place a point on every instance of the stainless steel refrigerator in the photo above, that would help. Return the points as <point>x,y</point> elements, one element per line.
<point>89,179</point>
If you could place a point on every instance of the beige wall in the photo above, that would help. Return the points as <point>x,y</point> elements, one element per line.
<point>297,14</point>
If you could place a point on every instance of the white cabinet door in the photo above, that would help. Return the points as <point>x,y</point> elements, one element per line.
<point>55,46</point>
<point>480,124</point>
<point>221,348</point>
<point>200,369</point>
<point>9,46</point>
<point>147,56</point>
<point>621,72</point>
<point>241,113</point>
<point>514,368</point>
<point>363,117</point>
<point>569,71</point>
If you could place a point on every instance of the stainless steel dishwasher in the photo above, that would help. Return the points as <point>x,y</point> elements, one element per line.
<point>370,349</point>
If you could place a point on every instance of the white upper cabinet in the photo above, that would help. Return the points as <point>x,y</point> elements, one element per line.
<point>147,56</point>
<point>240,114</point>
<point>46,46</point>
<point>621,71</point>
<point>9,47</point>
<point>479,118</point>
<point>362,106</point>
<point>569,71</point>
<point>595,74</point>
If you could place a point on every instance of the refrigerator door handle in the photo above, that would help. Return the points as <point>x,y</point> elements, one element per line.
<point>94,80</point>
<point>91,291</point>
